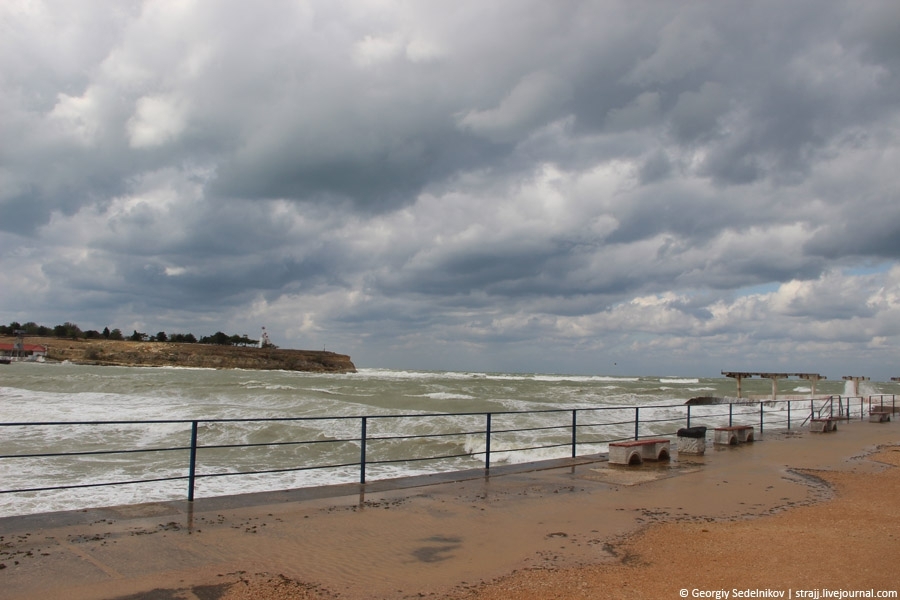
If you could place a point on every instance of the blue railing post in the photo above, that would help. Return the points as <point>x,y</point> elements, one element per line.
<point>789,415</point>
<point>760,418</point>
<point>730,414</point>
<point>637,421</point>
<point>362,452</point>
<point>192,468</point>
<point>688,416</point>
<point>487,443</point>
<point>574,429</point>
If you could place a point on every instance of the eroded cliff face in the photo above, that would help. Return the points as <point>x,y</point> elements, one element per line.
<point>159,354</point>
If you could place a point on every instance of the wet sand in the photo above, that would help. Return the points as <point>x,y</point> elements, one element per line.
<point>793,511</point>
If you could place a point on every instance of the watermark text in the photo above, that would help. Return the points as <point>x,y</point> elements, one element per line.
<point>789,593</point>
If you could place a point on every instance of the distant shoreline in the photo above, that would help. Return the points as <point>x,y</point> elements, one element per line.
<point>104,352</point>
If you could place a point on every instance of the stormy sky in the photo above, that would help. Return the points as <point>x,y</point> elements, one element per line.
<point>648,187</point>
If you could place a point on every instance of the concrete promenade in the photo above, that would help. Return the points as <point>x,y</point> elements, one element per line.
<point>405,538</point>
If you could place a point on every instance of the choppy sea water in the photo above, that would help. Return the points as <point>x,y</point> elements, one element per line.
<point>331,405</point>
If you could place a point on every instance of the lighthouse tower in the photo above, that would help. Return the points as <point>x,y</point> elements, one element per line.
<point>264,341</point>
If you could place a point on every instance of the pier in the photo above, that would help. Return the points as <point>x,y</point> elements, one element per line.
<point>739,375</point>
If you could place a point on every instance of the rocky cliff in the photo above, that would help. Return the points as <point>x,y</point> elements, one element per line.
<point>159,354</point>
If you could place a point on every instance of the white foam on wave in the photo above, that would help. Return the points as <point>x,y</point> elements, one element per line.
<point>393,375</point>
<point>444,396</point>
<point>261,385</point>
<point>673,380</point>
<point>330,392</point>
<point>584,378</point>
<point>390,374</point>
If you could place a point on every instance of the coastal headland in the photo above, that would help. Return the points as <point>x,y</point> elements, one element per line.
<point>173,354</point>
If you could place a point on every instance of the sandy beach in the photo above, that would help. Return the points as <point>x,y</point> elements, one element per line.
<point>792,512</point>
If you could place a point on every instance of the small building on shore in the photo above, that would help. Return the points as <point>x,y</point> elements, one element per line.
<point>10,351</point>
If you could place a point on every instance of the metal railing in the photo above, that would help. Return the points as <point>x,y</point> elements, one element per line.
<point>456,441</point>
<point>826,410</point>
<point>883,402</point>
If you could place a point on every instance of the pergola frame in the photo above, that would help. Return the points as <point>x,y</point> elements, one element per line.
<point>739,375</point>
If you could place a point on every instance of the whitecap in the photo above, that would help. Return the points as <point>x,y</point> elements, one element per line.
<point>444,396</point>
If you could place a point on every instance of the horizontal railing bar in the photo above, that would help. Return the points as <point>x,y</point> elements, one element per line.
<point>628,422</point>
<point>424,435</point>
<point>591,442</point>
<point>93,485</point>
<point>93,452</point>
<point>258,420</point>
<point>586,425</point>
<point>526,448</point>
<point>664,420</point>
<point>325,418</point>
<point>189,421</point>
<point>388,461</point>
<point>271,471</point>
<point>55,423</point>
<point>620,439</point>
<point>567,427</point>
<point>261,444</point>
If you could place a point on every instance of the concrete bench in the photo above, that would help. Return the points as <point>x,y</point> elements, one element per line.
<point>736,434</point>
<point>637,451</point>
<point>823,425</point>
<point>878,415</point>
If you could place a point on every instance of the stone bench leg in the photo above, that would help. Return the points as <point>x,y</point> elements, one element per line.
<point>658,451</point>
<point>724,438</point>
<point>625,455</point>
<point>822,426</point>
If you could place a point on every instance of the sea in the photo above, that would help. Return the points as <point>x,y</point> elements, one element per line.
<point>76,414</point>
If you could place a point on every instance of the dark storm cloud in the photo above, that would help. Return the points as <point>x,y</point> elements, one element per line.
<point>457,175</point>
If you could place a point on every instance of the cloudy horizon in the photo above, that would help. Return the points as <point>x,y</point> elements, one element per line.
<point>604,187</point>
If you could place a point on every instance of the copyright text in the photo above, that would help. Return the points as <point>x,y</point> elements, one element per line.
<point>790,594</point>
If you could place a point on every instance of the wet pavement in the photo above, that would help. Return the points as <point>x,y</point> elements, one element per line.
<point>417,534</point>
